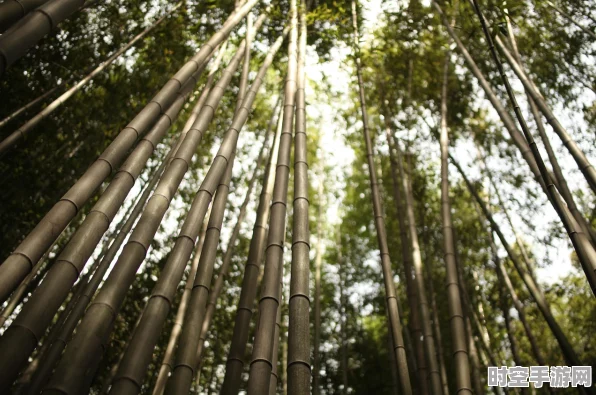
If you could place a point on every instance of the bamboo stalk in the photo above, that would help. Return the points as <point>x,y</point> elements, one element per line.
<point>394,323</point>
<point>299,368</point>
<point>269,303</point>
<point>235,362</point>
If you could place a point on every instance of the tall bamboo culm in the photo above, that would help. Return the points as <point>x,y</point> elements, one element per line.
<point>227,258</point>
<point>419,367</point>
<point>452,287</point>
<point>394,323</point>
<point>260,365</point>
<point>248,292</point>
<point>298,368</point>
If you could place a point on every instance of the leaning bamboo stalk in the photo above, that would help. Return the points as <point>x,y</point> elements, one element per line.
<point>502,272</point>
<point>183,372</point>
<point>235,362</point>
<point>552,157</point>
<point>15,137</point>
<point>452,287</point>
<point>570,19</point>
<point>23,35</point>
<point>17,266</point>
<point>584,249</point>
<point>394,324</point>
<point>532,287</point>
<point>504,307</point>
<point>578,155</point>
<point>260,365</point>
<point>419,367</point>
<point>186,359</point>
<point>17,296</point>
<point>168,359</point>
<point>227,259</point>
<point>434,375</point>
<point>522,315</point>
<point>50,351</point>
<point>37,314</point>
<point>32,103</point>
<point>107,303</point>
<point>299,369</point>
<point>508,122</point>
<point>11,11</point>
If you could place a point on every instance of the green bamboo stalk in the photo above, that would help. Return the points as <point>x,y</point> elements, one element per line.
<point>394,323</point>
<point>299,369</point>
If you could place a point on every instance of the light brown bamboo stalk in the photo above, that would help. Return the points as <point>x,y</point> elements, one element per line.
<point>14,269</point>
<point>456,322</point>
<point>32,103</point>
<point>570,19</point>
<point>437,328</point>
<point>269,303</point>
<point>394,323</point>
<point>108,301</point>
<point>317,310</point>
<point>182,375</point>
<point>560,179</point>
<point>585,251</point>
<point>474,352</point>
<point>299,368</point>
<point>578,155</point>
<point>235,362</point>
<point>13,139</point>
<point>532,287</point>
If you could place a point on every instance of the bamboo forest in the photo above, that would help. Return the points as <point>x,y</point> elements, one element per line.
<point>297,197</point>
